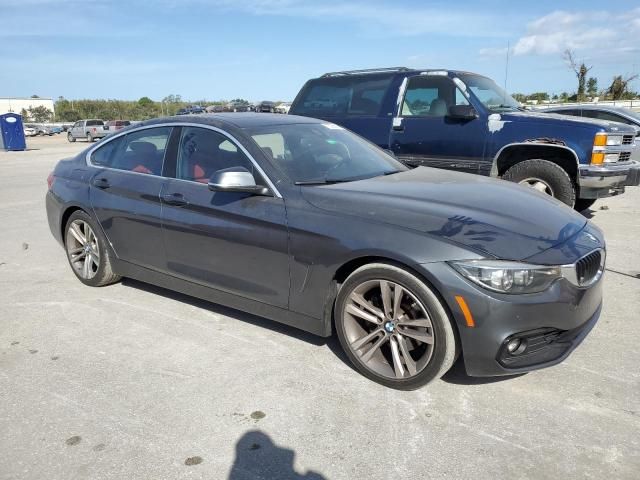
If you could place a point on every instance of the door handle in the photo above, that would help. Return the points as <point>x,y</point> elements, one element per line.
<point>101,182</point>
<point>175,199</point>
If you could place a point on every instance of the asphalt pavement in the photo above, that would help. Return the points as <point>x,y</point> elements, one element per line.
<point>134,382</point>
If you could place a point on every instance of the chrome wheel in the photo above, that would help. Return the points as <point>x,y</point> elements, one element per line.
<point>537,184</point>
<point>82,249</point>
<point>388,329</point>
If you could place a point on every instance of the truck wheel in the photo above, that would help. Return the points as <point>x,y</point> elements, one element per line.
<point>546,177</point>
<point>89,138</point>
<point>70,138</point>
<point>583,204</point>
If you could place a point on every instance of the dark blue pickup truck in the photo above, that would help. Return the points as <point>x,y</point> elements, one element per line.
<point>464,121</point>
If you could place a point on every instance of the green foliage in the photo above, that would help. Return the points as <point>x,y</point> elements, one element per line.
<point>592,87</point>
<point>40,114</point>
<point>24,114</point>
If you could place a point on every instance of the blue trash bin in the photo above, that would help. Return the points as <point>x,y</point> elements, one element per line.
<point>12,132</point>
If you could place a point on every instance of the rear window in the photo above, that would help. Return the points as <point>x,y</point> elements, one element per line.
<point>339,96</point>
<point>93,123</point>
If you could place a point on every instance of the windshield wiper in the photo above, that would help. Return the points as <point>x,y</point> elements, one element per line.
<point>322,182</point>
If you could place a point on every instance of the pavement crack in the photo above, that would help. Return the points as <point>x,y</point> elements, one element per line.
<point>630,275</point>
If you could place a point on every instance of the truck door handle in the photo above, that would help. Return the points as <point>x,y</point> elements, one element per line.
<point>101,182</point>
<point>175,199</point>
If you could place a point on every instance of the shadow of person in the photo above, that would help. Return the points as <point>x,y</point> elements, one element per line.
<point>257,457</point>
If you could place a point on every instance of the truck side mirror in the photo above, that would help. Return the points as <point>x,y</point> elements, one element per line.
<point>462,112</point>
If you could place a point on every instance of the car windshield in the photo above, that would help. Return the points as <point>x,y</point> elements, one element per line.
<point>490,94</point>
<point>317,153</point>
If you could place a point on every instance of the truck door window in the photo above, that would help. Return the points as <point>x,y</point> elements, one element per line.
<point>430,96</point>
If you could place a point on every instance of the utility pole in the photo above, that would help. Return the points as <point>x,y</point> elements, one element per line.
<point>506,70</point>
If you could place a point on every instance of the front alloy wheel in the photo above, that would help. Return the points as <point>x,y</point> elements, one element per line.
<point>393,327</point>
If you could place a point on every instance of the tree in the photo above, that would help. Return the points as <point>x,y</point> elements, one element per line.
<point>580,70</point>
<point>145,102</point>
<point>24,114</point>
<point>519,97</point>
<point>539,96</point>
<point>40,114</point>
<point>592,86</point>
<point>619,88</point>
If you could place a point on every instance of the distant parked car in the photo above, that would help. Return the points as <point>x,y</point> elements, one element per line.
<point>283,107</point>
<point>183,111</point>
<point>266,106</point>
<point>30,131</point>
<point>41,130</point>
<point>89,130</point>
<point>115,125</point>
<point>55,129</point>
<point>196,109</point>
<point>237,107</point>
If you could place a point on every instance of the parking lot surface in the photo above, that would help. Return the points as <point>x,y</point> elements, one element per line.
<point>132,381</point>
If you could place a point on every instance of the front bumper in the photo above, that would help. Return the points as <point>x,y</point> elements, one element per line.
<point>607,180</point>
<point>554,321</point>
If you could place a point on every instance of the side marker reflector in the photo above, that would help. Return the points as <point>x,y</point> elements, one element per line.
<point>465,311</point>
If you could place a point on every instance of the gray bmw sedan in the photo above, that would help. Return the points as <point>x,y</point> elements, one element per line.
<point>303,222</point>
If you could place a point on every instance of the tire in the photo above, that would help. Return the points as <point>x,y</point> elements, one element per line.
<point>419,303</point>
<point>583,204</point>
<point>89,138</point>
<point>41,134</point>
<point>70,138</point>
<point>93,245</point>
<point>557,181</point>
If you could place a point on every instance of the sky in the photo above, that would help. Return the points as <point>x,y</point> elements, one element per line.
<point>266,49</point>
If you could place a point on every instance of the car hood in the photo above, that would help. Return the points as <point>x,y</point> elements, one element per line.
<point>492,217</point>
<point>551,118</point>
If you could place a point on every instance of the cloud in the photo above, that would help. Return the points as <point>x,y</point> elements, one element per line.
<point>372,16</point>
<point>592,34</point>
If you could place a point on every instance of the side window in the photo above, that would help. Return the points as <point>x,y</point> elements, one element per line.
<point>105,155</point>
<point>337,96</point>
<point>202,152</point>
<point>430,96</point>
<point>611,117</point>
<point>272,144</point>
<point>460,98</point>
<point>142,151</point>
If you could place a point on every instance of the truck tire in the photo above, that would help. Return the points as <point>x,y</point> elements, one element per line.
<point>89,138</point>
<point>70,137</point>
<point>544,176</point>
<point>583,203</point>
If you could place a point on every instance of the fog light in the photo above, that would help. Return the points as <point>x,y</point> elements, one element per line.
<point>516,346</point>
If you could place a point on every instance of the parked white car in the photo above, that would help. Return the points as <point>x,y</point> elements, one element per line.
<point>283,107</point>
<point>30,132</point>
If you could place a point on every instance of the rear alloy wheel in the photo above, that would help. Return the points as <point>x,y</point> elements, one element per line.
<point>544,176</point>
<point>87,251</point>
<point>393,327</point>
<point>71,138</point>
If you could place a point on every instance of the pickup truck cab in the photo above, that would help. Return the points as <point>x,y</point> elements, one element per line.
<point>88,130</point>
<point>464,121</point>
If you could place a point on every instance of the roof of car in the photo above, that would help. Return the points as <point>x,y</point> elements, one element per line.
<point>236,119</point>
<point>393,71</point>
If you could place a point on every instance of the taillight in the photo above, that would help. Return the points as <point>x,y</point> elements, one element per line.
<point>50,180</point>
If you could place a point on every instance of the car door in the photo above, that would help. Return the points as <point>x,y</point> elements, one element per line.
<point>423,133</point>
<point>125,194</point>
<point>75,130</point>
<point>230,241</point>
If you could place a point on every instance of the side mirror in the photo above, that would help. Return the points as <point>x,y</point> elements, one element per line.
<point>462,112</point>
<point>235,179</point>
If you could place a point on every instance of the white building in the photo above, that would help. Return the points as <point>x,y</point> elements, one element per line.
<point>16,105</point>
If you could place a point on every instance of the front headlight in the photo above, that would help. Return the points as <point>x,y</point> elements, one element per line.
<point>508,277</point>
